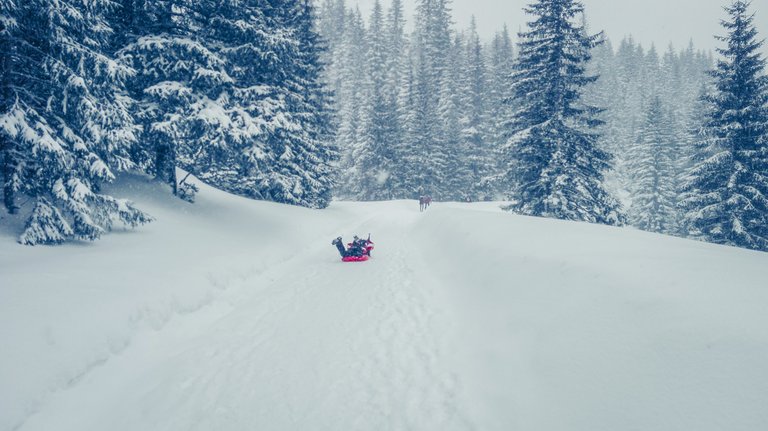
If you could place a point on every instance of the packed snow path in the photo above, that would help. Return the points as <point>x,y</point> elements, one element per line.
<point>465,319</point>
<point>314,344</point>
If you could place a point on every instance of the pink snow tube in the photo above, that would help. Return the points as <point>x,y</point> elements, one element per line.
<point>366,253</point>
<point>362,258</point>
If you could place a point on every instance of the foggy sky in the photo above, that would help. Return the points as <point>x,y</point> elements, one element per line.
<point>657,21</point>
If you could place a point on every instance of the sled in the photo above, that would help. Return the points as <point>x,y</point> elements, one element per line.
<point>362,258</point>
<point>366,252</point>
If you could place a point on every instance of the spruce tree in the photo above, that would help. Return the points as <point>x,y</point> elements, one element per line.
<point>726,194</point>
<point>10,61</point>
<point>553,154</point>
<point>653,166</point>
<point>66,125</point>
<point>396,93</point>
<point>625,113</point>
<point>500,109</point>
<point>629,81</point>
<point>332,28</point>
<point>446,165</point>
<point>374,156</point>
<point>349,98</point>
<point>413,121</point>
<point>429,148</point>
<point>232,92</point>
<point>476,155</point>
<point>307,155</point>
<point>174,71</point>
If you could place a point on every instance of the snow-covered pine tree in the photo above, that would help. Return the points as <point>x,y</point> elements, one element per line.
<point>629,80</point>
<point>694,142</point>
<point>66,121</point>
<point>305,173</point>
<point>673,84</point>
<point>232,92</point>
<point>726,195</point>
<point>174,71</point>
<point>647,165</point>
<point>652,79</point>
<point>332,27</point>
<point>447,166</point>
<point>418,128</point>
<point>374,156</point>
<point>397,45</point>
<point>553,153</point>
<point>653,170</point>
<point>476,156</point>
<point>349,99</point>
<point>428,156</point>
<point>607,92</point>
<point>10,59</point>
<point>413,121</point>
<point>625,113</point>
<point>396,92</point>
<point>330,24</point>
<point>500,108</point>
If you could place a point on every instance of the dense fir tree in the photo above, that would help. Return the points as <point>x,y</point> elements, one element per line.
<point>500,106</point>
<point>694,142</point>
<point>654,173</point>
<point>726,195</point>
<point>374,153</point>
<point>607,92</point>
<point>231,91</point>
<point>305,171</point>
<point>429,147</point>
<point>452,112</point>
<point>554,156</point>
<point>66,123</point>
<point>412,121</point>
<point>396,93</point>
<point>10,60</point>
<point>349,98</point>
<point>174,70</point>
<point>447,164</point>
<point>624,111</point>
<point>629,80</point>
<point>331,26</point>
<point>475,149</point>
<point>396,49</point>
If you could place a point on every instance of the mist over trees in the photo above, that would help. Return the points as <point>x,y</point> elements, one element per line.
<point>414,110</point>
<point>478,120</point>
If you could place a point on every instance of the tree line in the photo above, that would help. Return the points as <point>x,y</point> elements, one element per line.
<point>274,100</point>
<point>562,124</point>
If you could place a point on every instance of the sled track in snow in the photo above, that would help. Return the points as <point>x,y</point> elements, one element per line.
<point>406,378</point>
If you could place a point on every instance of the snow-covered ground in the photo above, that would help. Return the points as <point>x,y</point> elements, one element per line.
<point>238,315</point>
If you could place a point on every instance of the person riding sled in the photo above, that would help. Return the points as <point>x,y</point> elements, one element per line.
<point>358,249</point>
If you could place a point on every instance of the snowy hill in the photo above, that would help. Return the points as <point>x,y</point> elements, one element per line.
<point>232,314</point>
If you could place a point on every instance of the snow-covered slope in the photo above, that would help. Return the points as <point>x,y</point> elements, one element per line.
<point>232,314</point>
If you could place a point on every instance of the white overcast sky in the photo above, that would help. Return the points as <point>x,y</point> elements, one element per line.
<point>657,21</point>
